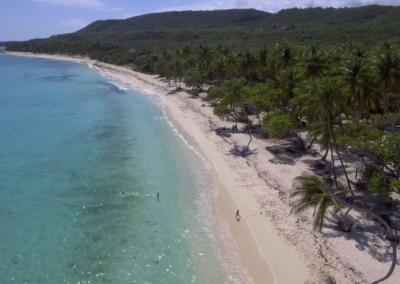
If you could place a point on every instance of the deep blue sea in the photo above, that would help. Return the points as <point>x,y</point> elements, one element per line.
<point>71,141</point>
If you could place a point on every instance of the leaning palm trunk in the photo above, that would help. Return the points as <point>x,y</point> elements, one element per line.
<point>249,132</point>
<point>326,154</point>
<point>311,143</point>
<point>344,169</point>
<point>332,141</point>
<point>333,165</point>
<point>251,137</point>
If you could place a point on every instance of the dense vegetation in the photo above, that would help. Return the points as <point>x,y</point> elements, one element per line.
<point>345,96</point>
<point>122,41</point>
<point>248,27</point>
<point>185,19</point>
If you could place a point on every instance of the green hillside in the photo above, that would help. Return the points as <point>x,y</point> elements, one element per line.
<point>248,27</point>
<point>116,40</point>
<point>238,27</point>
<point>185,19</point>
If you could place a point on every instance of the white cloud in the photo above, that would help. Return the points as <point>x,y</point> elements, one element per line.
<point>274,5</point>
<point>92,4</point>
<point>74,23</point>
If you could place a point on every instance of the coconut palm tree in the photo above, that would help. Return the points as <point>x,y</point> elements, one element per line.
<point>358,86</point>
<point>318,128</point>
<point>290,82</point>
<point>191,73</point>
<point>219,70</point>
<point>247,64</point>
<point>324,104</point>
<point>231,65</point>
<point>262,61</point>
<point>285,54</point>
<point>388,70</point>
<point>205,54</point>
<point>177,69</point>
<point>236,95</point>
<point>313,193</point>
<point>313,63</point>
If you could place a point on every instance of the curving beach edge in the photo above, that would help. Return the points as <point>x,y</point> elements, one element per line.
<point>275,245</point>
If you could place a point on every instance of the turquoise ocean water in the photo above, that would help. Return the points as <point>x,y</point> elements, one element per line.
<point>71,141</point>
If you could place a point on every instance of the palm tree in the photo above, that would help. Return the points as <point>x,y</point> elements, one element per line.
<point>218,68</point>
<point>205,59</point>
<point>324,103</point>
<point>236,95</point>
<point>285,54</point>
<point>388,69</point>
<point>360,52</point>
<point>313,193</point>
<point>191,73</point>
<point>221,49</point>
<point>262,61</point>
<point>314,63</point>
<point>358,86</point>
<point>289,82</point>
<point>231,65</point>
<point>247,64</point>
<point>318,128</point>
<point>177,68</point>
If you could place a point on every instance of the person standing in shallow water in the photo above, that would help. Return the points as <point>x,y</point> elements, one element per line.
<point>158,195</point>
<point>238,217</point>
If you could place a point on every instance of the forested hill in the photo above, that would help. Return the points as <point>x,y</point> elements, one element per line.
<point>184,19</point>
<point>249,27</point>
<point>240,28</point>
<point>120,41</point>
<point>375,17</point>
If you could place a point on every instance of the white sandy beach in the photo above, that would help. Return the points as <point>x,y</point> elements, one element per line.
<point>275,245</point>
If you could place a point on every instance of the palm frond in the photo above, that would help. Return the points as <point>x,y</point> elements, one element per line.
<point>311,192</point>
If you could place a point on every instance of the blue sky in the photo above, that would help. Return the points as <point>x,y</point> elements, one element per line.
<point>26,19</point>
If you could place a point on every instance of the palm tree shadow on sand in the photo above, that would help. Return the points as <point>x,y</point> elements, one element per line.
<point>365,236</point>
<point>312,192</point>
<point>284,155</point>
<point>392,267</point>
<point>241,151</point>
<point>373,245</point>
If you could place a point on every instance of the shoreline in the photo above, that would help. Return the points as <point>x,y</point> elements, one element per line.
<point>275,245</point>
<point>257,267</point>
<point>251,257</point>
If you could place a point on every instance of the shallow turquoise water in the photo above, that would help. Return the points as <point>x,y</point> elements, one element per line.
<point>71,142</point>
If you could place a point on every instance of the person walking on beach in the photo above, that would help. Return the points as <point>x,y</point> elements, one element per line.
<point>238,217</point>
